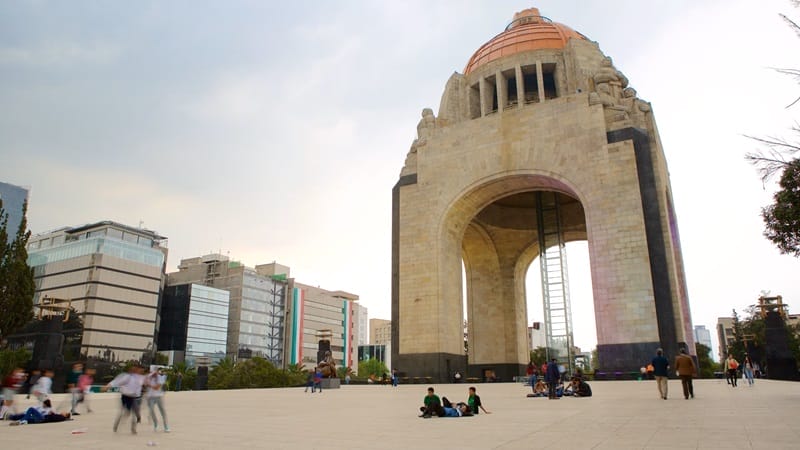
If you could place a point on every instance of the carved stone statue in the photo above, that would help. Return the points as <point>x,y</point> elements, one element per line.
<point>328,366</point>
<point>608,84</point>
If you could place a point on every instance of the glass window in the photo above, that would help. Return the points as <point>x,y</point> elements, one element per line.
<point>114,233</point>
<point>130,237</point>
<point>97,233</point>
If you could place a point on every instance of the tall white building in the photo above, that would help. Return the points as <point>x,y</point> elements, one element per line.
<point>702,335</point>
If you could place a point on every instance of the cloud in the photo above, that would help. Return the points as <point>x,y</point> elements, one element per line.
<point>59,54</point>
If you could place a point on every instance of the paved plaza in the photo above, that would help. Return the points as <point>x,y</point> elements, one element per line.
<point>620,415</point>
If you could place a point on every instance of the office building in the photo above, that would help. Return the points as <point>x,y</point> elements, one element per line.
<point>14,198</point>
<point>257,304</point>
<point>111,274</point>
<point>318,315</point>
<point>702,335</point>
<point>193,323</point>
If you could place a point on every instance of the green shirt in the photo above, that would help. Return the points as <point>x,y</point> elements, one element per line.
<point>432,399</point>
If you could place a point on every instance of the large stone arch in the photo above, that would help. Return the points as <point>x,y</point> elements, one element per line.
<point>496,297</point>
<point>551,115</point>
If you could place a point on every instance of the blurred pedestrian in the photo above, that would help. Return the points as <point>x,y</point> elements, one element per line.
<point>130,389</point>
<point>660,366</point>
<point>72,386</point>
<point>85,382</point>
<point>11,384</point>
<point>155,397</point>
<point>684,365</point>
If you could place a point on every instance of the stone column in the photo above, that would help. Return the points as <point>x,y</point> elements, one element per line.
<point>502,91</point>
<point>520,86</point>
<point>483,86</point>
<point>540,80</point>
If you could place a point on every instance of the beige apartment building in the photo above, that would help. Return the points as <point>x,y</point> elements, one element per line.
<point>380,332</point>
<point>112,275</point>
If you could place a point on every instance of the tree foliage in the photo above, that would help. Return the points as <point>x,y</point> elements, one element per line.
<point>371,366</point>
<point>782,218</point>
<point>253,373</point>
<point>704,361</point>
<point>781,156</point>
<point>11,359</point>
<point>539,356</point>
<point>749,337</point>
<point>16,277</point>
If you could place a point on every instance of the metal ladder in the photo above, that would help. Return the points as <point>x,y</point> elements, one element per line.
<point>555,283</point>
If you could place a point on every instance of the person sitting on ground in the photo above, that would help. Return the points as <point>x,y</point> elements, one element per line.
<point>460,409</point>
<point>39,414</point>
<point>540,390</point>
<point>474,402</point>
<point>433,405</point>
<point>580,388</point>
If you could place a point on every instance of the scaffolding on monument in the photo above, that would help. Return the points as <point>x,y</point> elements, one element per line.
<point>555,283</point>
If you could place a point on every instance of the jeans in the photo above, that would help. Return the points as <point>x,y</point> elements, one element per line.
<point>748,373</point>
<point>152,402</point>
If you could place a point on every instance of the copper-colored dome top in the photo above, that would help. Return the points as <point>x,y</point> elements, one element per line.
<point>527,31</point>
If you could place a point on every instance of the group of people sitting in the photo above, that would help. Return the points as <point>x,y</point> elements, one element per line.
<point>435,407</point>
<point>577,387</point>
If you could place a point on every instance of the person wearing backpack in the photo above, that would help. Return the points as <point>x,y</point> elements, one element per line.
<point>731,365</point>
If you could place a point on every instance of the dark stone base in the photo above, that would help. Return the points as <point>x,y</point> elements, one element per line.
<point>502,372</point>
<point>627,357</point>
<point>331,383</point>
<point>432,367</point>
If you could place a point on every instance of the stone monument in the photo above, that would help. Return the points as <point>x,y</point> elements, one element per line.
<point>540,122</point>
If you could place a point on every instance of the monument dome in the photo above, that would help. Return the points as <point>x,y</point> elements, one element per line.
<point>529,30</point>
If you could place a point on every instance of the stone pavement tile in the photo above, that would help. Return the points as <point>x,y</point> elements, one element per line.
<point>620,415</point>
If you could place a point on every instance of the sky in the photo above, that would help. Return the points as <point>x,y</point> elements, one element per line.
<point>274,131</point>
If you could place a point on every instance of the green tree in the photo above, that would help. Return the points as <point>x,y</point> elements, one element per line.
<point>16,277</point>
<point>779,156</point>
<point>782,218</point>
<point>11,359</point>
<point>539,356</point>
<point>707,365</point>
<point>371,366</point>
<point>221,374</point>
<point>188,374</point>
<point>343,371</point>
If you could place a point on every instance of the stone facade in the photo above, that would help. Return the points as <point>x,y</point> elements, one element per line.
<point>550,118</point>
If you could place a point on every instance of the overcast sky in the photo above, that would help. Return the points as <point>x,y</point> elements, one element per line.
<point>275,131</point>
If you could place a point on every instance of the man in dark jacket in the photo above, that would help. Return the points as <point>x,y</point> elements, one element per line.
<point>661,372</point>
<point>684,365</point>
<point>551,377</point>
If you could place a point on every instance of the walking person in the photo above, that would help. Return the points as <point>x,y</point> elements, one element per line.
<point>731,365</point>
<point>310,382</point>
<point>551,377</point>
<point>660,366</point>
<point>684,365</point>
<point>178,381</point>
<point>11,384</point>
<point>31,382</point>
<point>72,386</point>
<point>44,387</point>
<point>155,397</point>
<point>85,382</point>
<point>317,380</point>
<point>748,369</point>
<point>130,389</point>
